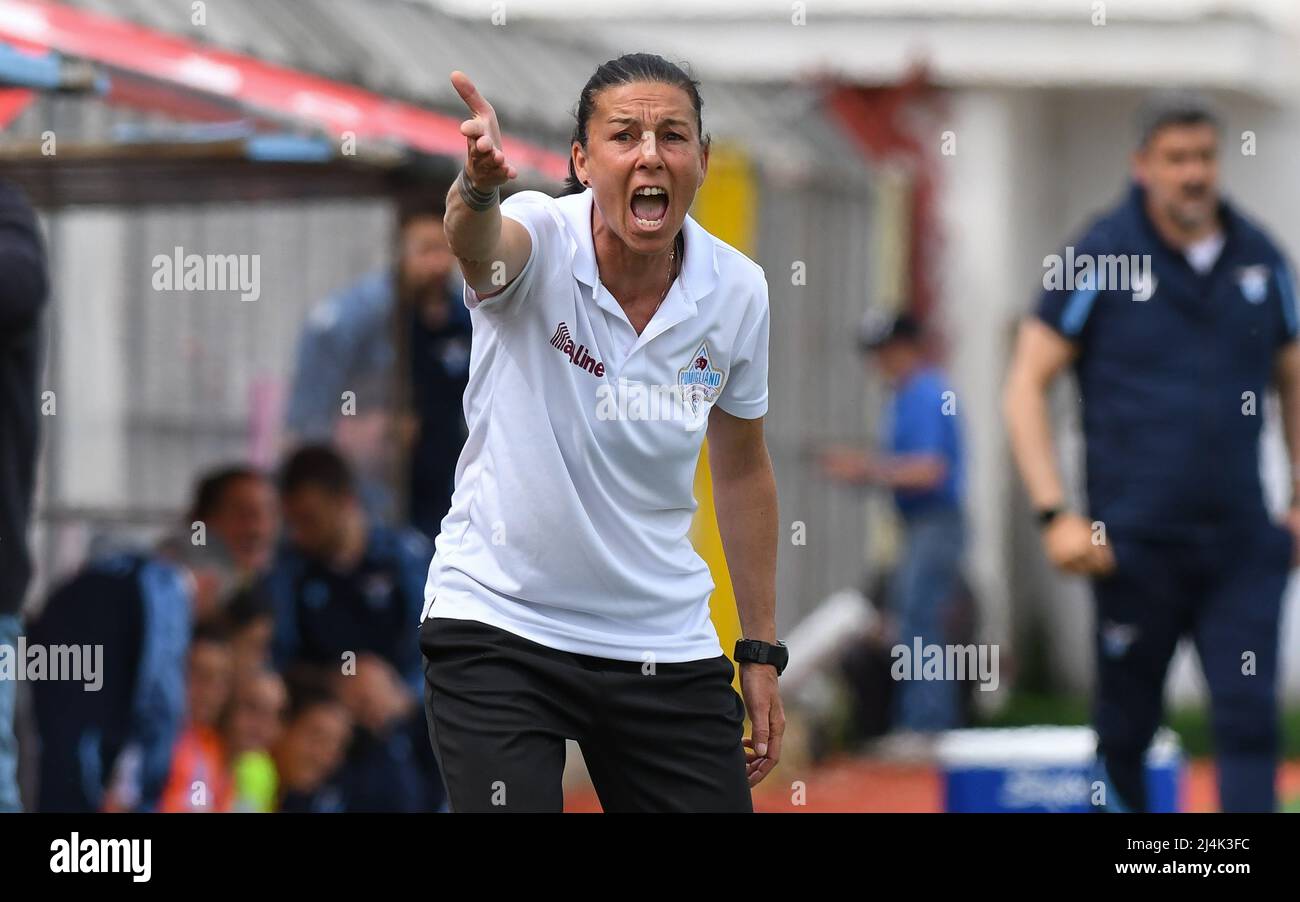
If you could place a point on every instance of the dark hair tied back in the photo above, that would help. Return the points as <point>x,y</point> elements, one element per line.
<point>627,69</point>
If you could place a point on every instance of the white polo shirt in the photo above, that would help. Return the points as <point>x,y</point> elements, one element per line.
<point>574,492</point>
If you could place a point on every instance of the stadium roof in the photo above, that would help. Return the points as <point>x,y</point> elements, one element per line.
<point>1237,45</point>
<point>1123,10</point>
<point>532,73</point>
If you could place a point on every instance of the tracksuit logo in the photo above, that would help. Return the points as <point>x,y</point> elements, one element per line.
<point>578,354</point>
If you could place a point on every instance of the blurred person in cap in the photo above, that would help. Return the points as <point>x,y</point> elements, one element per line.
<point>922,464</point>
<point>24,287</point>
<point>1173,354</point>
<point>348,594</point>
<point>399,338</point>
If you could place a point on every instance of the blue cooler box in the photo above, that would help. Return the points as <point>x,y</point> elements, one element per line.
<point>1042,769</point>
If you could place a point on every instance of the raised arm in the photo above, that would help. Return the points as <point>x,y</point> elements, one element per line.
<point>491,249</point>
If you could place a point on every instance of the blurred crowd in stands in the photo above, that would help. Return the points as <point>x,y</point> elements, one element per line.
<point>262,657</point>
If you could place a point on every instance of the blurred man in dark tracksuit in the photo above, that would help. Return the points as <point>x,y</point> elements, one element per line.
<point>1173,364</point>
<point>23,290</point>
<point>348,593</point>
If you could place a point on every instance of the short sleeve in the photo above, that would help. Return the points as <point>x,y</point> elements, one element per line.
<point>1066,303</point>
<point>537,213</point>
<point>921,425</point>
<point>1284,280</point>
<point>745,393</point>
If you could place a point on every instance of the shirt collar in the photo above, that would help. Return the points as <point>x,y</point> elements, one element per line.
<point>1137,197</point>
<point>699,274</point>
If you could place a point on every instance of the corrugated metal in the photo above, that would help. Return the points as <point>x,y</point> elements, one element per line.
<point>531,72</point>
<point>817,384</point>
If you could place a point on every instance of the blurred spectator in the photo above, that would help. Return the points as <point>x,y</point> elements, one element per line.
<point>250,618</point>
<point>342,584</point>
<point>111,749</point>
<point>1175,534</point>
<point>238,507</point>
<point>200,777</point>
<point>390,764</point>
<point>398,339</point>
<point>310,749</point>
<point>23,291</point>
<point>253,724</point>
<point>348,596</point>
<point>922,466</point>
<point>138,610</point>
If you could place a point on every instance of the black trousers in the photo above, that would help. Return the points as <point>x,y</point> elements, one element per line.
<point>1225,591</point>
<point>501,707</point>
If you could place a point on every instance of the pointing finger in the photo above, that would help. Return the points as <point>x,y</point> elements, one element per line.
<point>468,93</point>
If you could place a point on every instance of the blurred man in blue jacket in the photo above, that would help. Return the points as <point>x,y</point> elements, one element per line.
<point>399,341</point>
<point>1174,355</point>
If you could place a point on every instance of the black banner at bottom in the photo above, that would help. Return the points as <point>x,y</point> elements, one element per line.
<point>204,853</point>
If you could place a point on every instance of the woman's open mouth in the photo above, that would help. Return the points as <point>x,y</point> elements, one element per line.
<point>649,206</point>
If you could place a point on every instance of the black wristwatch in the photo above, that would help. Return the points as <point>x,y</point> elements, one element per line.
<point>754,651</point>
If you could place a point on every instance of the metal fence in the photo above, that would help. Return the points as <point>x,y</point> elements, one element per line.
<point>150,386</point>
<point>818,389</point>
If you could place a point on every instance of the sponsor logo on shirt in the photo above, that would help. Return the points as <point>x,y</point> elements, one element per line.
<point>578,355</point>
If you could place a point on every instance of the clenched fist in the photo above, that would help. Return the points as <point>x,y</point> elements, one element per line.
<point>1068,541</point>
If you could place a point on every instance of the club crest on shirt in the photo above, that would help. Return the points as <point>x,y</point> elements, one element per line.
<point>1253,281</point>
<point>700,381</point>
